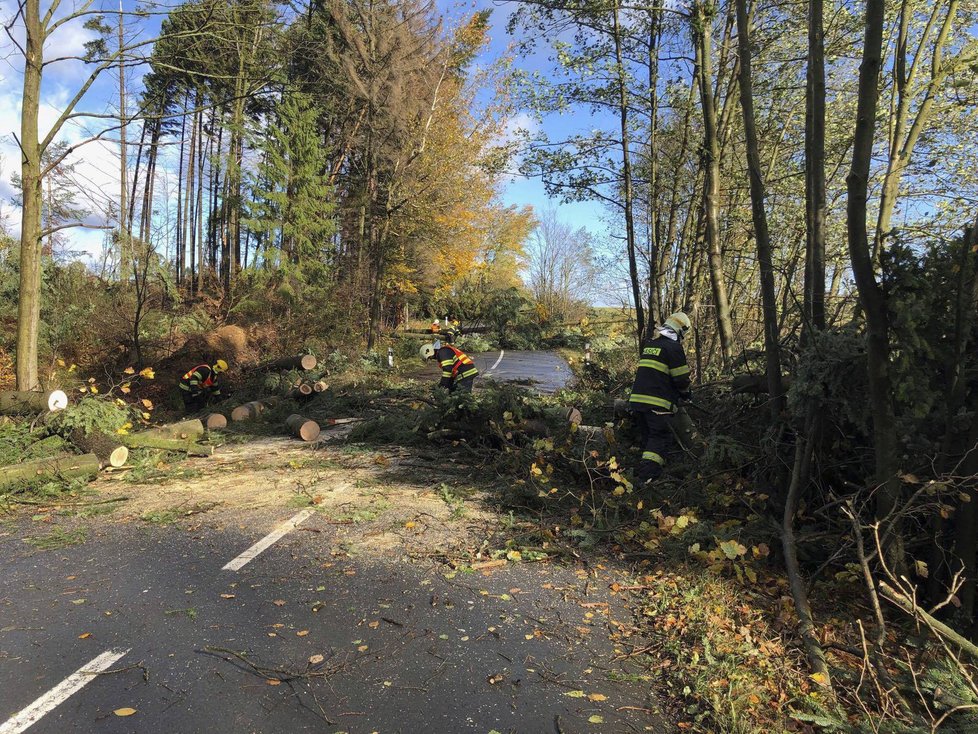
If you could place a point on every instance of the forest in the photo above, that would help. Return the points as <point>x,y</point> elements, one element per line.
<point>798,178</point>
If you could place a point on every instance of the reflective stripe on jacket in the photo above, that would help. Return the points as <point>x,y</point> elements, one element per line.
<point>662,375</point>
<point>200,378</point>
<point>455,365</point>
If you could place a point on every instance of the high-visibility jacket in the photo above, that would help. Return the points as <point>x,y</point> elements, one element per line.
<point>201,378</point>
<point>455,365</point>
<point>662,376</point>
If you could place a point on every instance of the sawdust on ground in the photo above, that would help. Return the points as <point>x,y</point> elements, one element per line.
<point>380,500</point>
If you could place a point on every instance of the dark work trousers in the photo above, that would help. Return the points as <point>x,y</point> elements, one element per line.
<point>193,403</point>
<point>463,385</point>
<point>657,439</point>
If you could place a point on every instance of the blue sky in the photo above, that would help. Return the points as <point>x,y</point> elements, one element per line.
<point>98,163</point>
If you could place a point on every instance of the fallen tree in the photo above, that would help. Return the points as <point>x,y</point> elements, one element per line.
<point>14,402</point>
<point>299,362</point>
<point>65,466</point>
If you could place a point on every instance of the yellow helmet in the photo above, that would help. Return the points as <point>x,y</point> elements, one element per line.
<point>427,351</point>
<point>220,366</point>
<point>679,322</point>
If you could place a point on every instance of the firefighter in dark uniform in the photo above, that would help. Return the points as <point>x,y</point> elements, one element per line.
<point>661,382</point>
<point>458,371</point>
<point>200,385</point>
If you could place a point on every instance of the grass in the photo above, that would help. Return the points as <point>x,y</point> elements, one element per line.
<point>190,612</point>
<point>58,538</point>
<point>359,515</point>
<point>454,498</point>
<point>160,517</point>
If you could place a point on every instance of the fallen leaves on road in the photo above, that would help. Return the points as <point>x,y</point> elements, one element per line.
<point>84,635</point>
<point>227,596</point>
<point>302,633</point>
<point>279,602</point>
<point>125,711</point>
<point>316,659</point>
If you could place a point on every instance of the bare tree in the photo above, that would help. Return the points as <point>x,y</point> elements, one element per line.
<point>560,266</point>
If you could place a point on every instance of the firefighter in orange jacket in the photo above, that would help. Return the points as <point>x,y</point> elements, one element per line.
<point>458,371</point>
<point>200,384</point>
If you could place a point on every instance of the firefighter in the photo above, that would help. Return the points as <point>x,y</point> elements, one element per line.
<point>458,371</point>
<point>662,380</point>
<point>435,327</point>
<point>199,386</point>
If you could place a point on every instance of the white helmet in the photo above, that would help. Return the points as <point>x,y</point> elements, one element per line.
<point>427,351</point>
<point>679,323</point>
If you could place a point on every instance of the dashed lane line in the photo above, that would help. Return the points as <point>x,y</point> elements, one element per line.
<point>61,692</point>
<point>250,554</point>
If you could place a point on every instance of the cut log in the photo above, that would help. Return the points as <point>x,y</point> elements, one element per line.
<point>20,403</point>
<point>214,421</point>
<point>65,466</point>
<point>300,427</point>
<point>319,386</point>
<point>109,449</point>
<point>304,388</point>
<point>300,362</point>
<point>251,410</point>
<point>144,441</point>
<point>184,430</point>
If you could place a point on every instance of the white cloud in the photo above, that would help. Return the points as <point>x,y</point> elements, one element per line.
<point>96,164</point>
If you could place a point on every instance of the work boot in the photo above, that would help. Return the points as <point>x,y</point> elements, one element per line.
<point>648,472</point>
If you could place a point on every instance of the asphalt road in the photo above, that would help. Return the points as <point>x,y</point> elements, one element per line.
<point>523,648</point>
<point>545,372</point>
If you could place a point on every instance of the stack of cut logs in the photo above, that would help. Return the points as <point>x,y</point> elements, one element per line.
<point>303,388</point>
<point>100,449</point>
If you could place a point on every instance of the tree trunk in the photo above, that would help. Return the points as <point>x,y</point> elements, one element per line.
<point>251,410</point>
<point>800,475</point>
<point>307,430</point>
<point>29,301</point>
<point>149,441</point>
<point>815,208</point>
<point>214,421</point>
<point>871,295</point>
<point>22,403</point>
<point>772,346</point>
<point>702,32</point>
<point>300,362</point>
<point>185,430</point>
<point>627,177</point>
<point>109,449</point>
<point>67,466</point>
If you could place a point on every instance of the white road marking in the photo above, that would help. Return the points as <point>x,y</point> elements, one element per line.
<point>268,540</point>
<point>60,693</point>
<point>501,353</point>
